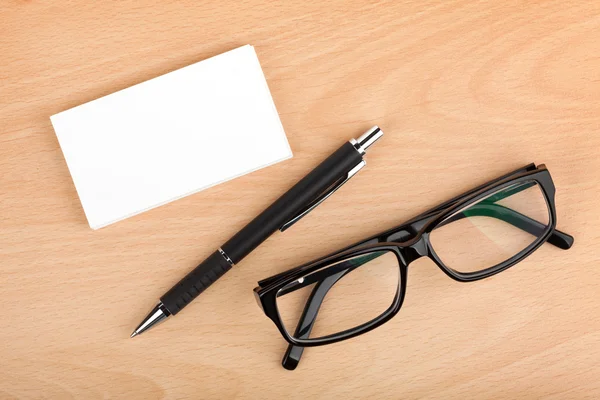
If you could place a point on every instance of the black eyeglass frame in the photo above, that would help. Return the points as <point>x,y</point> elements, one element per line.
<point>408,242</point>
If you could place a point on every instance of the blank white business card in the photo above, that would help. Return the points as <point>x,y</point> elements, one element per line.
<point>171,136</point>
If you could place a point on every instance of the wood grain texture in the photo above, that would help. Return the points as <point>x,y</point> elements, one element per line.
<point>464,90</point>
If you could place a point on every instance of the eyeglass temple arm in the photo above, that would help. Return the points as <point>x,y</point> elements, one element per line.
<point>313,304</point>
<point>405,231</point>
<point>454,200</point>
<point>309,316</point>
<point>529,225</point>
<point>488,208</point>
<point>523,222</point>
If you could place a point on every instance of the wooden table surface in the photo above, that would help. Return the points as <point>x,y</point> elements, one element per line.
<point>464,90</point>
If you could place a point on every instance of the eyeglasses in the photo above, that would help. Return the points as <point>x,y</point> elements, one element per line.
<point>470,237</point>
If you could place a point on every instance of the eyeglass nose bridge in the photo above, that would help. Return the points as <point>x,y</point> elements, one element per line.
<point>414,249</point>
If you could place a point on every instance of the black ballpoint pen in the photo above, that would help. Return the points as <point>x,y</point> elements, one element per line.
<point>304,196</point>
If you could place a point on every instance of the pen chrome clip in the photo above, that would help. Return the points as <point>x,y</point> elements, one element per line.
<point>331,190</point>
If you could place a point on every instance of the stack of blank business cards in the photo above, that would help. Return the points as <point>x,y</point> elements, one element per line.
<point>171,136</point>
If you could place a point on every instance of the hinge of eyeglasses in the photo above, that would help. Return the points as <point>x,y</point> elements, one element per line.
<point>331,190</point>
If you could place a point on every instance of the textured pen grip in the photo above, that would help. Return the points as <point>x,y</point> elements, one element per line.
<point>195,282</point>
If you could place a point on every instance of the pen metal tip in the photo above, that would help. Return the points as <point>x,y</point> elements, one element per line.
<point>158,314</point>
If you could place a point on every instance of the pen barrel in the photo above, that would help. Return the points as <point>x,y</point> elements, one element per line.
<point>196,282</point>
<point>289,204</point>
<point>260,228</point>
